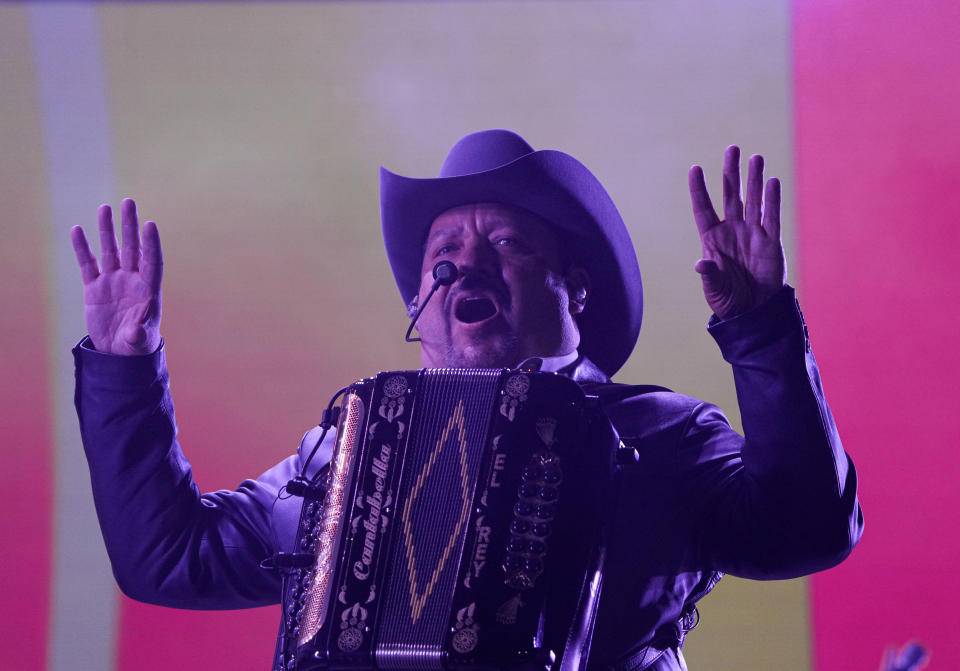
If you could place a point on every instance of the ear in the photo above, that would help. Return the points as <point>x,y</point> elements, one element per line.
<point>578,289</point>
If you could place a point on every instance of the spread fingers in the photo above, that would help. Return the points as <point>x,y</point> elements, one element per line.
<point>130,235</point>
<point>151,265</point>
<point>109,257</point>
<point>754,204</point>
<point>732,200</point>
<point>85,258</point>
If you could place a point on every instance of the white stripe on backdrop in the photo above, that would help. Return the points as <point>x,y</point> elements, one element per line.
<point>66,48</point>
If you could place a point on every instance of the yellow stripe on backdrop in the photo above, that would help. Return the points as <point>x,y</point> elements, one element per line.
<point>252,133</point>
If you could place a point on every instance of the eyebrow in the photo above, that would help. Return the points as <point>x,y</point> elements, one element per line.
<point>442,234</point>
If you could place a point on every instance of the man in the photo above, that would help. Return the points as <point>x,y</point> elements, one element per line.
<point>547,277</point>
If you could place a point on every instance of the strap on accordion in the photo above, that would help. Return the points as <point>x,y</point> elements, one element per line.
<point>577,649</point>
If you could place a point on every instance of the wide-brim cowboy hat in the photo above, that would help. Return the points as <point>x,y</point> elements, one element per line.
<point>498,166</point>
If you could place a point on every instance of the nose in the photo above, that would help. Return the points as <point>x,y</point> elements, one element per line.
<point>478,257</point>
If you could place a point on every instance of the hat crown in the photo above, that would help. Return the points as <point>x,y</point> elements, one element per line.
<point>482,151</point>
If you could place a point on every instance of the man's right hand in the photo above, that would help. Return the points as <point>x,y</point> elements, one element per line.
<point>121,296</point>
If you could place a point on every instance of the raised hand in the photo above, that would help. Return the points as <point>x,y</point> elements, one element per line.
<point>910,657</point>
<point>121,295</point>
<point>743,263</point>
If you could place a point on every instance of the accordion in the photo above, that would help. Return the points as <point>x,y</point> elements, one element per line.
<point>461,526</point>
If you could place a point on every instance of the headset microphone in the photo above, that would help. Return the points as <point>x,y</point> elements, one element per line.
<point>444,274</point>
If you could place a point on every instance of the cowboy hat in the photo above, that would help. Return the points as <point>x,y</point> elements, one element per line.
<point>499,166</point>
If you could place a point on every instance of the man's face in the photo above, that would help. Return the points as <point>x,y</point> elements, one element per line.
<point>511,299</point>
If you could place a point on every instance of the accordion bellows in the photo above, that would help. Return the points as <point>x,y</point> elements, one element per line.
<point>460,527</point>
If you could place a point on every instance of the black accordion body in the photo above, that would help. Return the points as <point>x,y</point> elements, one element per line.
<point>461,527</point>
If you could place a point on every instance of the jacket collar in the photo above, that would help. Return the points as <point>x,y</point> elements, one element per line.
<point>583,370</point>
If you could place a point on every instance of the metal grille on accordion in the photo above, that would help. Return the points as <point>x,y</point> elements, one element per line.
<point>461,528</point>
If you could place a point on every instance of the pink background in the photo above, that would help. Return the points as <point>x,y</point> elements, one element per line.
<point>878,166</point>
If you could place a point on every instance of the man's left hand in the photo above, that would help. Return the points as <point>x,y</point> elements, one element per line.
<point>743,263</point>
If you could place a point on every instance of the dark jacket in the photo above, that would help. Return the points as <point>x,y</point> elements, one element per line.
<point>701,501</point>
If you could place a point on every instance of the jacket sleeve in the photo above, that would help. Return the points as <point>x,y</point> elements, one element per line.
<point>782,500</point>
<point>168,544</point>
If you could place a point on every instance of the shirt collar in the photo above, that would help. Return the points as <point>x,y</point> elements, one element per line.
<point>549,364</point>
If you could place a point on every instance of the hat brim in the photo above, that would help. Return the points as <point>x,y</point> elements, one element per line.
<point>562,191</point>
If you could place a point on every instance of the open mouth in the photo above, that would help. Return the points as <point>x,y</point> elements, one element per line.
<point>474,309</point>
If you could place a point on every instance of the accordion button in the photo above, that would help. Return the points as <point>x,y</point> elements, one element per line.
<point>532,472</point>
<point>546,512</point>
<point>549,493</point>
<point>529,491</point>
<point>523,509</point>
<point>533,565</point>
<point>519,527</point>
<point>541,529</point>
<point>536,547</point>
<point>551,477</point>
<point>517,544</point>
<point>512,562</point>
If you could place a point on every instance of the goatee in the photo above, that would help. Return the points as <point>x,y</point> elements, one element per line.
<point>503,352</point>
